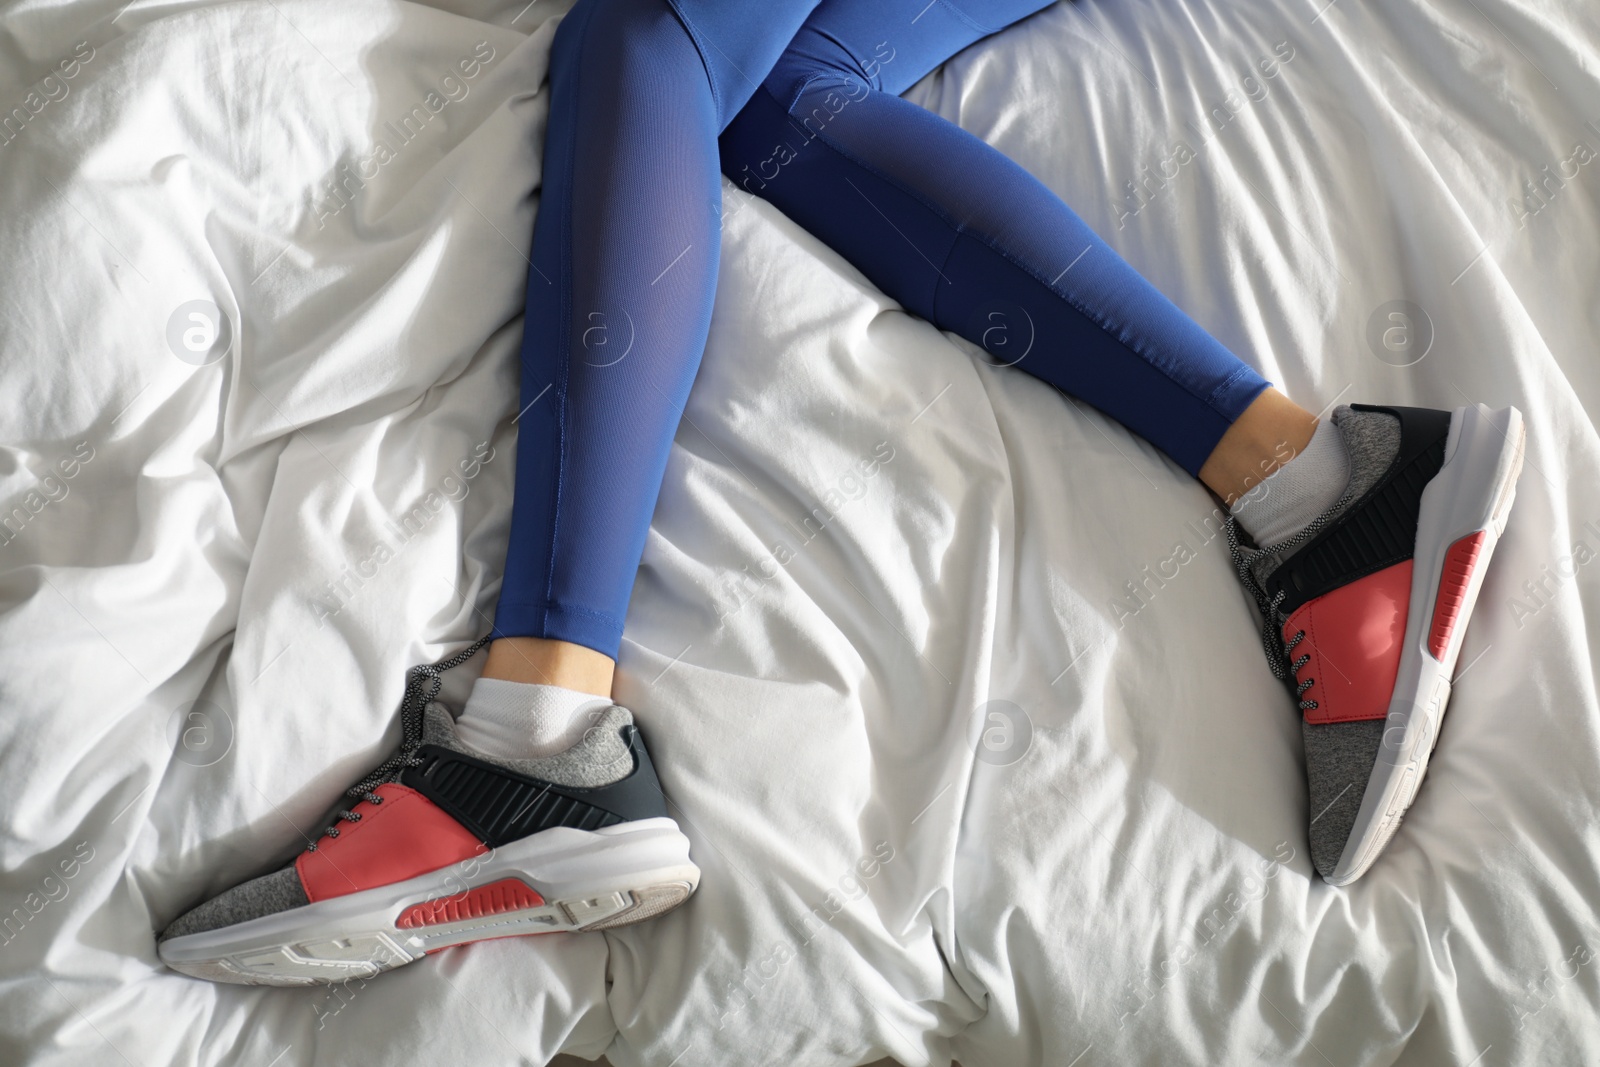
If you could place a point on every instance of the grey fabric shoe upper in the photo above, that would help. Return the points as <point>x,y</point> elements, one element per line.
<point>271,893</point>
<point>1339,760</point>
<point>1339,756</point>
<point>599,758</point>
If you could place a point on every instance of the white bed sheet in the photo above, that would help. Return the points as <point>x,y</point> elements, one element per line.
<point>278,534</point>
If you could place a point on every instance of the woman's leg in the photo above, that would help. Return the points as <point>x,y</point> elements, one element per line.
<point>617,320</point>
<point>624,266</point>
<point>619,301</point>
<point>1348,565</point>
<point>964,237</point>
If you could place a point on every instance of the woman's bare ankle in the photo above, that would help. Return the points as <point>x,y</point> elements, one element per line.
<point>1269,433</point>
<point>543,661</point>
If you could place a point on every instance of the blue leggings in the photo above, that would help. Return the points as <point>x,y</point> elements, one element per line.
<point>796,102</point>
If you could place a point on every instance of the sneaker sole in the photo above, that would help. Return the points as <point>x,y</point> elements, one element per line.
<point>550,882</point>
<point>1467,502</point>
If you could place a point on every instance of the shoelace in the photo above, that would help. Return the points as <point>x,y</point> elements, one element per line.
<point>1272,643</point>
<point>422,686</point>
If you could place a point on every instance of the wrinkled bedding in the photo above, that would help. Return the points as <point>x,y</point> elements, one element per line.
<point>946,674</point>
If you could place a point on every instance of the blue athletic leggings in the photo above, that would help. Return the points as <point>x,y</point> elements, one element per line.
<point>796,102</point>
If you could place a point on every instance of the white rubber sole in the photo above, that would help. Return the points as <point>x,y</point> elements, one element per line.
<point>1473,491</point>
<point>588,880</point>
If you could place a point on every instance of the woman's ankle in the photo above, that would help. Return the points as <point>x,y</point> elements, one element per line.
<point>1268,434</point>
<point>544,661</point>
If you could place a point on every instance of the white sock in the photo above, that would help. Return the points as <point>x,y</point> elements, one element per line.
<point>1286,501</point>
<point>521,720</point>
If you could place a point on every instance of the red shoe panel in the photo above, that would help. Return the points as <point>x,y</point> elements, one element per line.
<point>1458,563</point>
<point>1354,637</point>
<point>403,837</point>
<point>508,894</point>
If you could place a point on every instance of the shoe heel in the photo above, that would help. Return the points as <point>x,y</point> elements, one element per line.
<point>1482,460</point>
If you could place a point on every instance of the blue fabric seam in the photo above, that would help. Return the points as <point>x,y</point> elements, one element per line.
<point>700,47</point>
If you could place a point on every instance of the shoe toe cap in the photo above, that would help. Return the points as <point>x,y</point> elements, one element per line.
<point>1339,761</point>
<point>266,895</point>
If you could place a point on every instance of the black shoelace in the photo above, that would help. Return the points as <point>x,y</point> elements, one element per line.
<point>1273,644</point>
<point>422,686</point>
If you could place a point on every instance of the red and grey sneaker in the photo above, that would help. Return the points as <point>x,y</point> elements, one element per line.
<point>447,846</point>
<point>1364,611</point>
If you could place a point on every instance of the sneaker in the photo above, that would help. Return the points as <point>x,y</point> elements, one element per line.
<point>447,846</point>
<point>1364,611</point>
